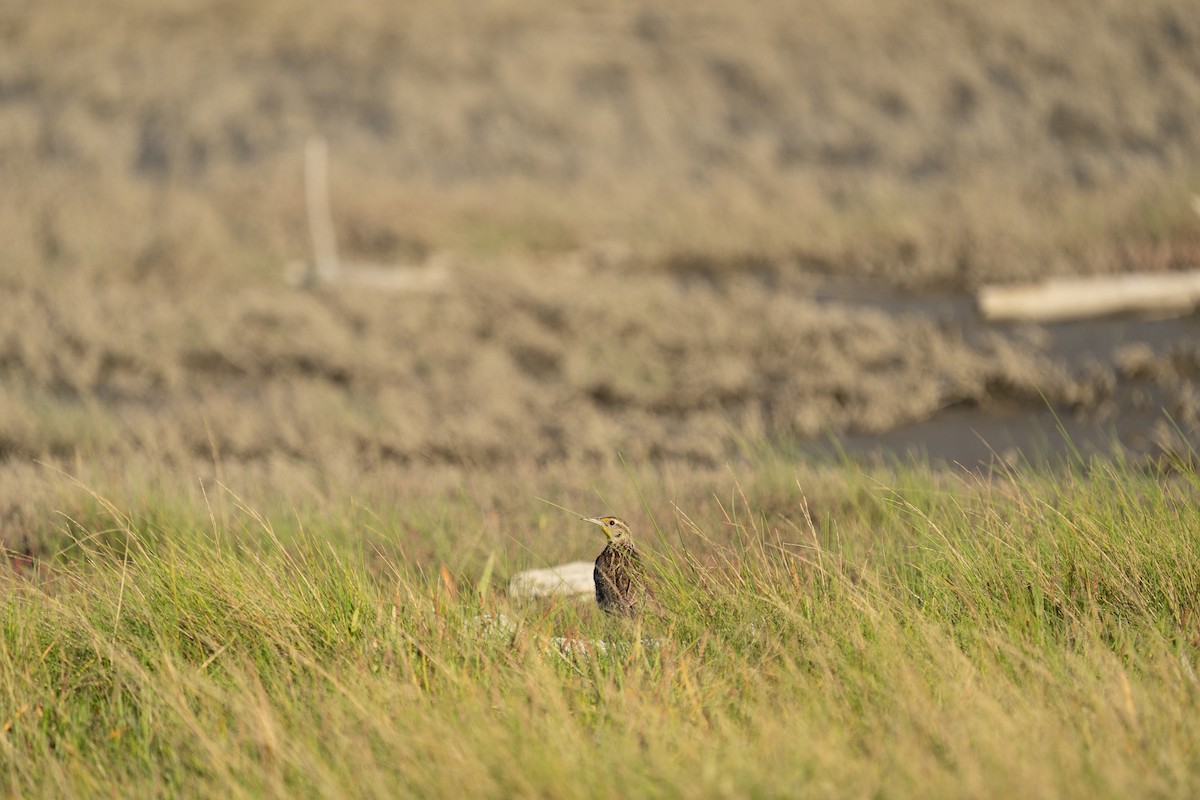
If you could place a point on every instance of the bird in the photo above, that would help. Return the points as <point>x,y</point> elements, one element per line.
<point>620,577</point>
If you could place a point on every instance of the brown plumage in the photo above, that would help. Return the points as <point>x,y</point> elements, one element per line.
<point>620,577</point>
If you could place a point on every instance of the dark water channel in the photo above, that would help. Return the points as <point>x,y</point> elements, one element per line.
<point>972,436</point>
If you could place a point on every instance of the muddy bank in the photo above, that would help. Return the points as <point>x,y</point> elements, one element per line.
<point>563,360</point>
<point>1145,370</point>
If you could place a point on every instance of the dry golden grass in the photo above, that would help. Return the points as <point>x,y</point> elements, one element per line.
<point>496,370</point>
<point>631,197</point>
<point>948,143</point>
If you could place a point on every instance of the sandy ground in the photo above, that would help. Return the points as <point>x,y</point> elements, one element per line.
<point>671,233</point>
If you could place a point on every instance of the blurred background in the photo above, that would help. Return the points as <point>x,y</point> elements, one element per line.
<point>669,231</point>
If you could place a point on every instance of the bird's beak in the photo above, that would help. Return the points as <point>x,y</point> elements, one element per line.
<point>600,522</point>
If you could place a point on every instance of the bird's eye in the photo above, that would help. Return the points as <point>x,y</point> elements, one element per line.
<point>611,522</point>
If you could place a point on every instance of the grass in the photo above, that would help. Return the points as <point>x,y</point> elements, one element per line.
<point>974,149</point>
<point>1030,634</point>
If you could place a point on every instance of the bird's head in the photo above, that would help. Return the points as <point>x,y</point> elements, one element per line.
<point>615,529</point>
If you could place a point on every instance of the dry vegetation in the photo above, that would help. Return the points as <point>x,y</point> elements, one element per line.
<point>501,369</point>
<point>943,143</point>
<point>638,204</point>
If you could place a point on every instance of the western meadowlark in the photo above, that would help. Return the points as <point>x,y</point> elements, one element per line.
<point>620,577</point>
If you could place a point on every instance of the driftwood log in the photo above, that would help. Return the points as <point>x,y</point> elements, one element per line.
<point>1079,298</point>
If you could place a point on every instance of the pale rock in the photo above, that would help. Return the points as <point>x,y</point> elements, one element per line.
<point>565,580</point>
